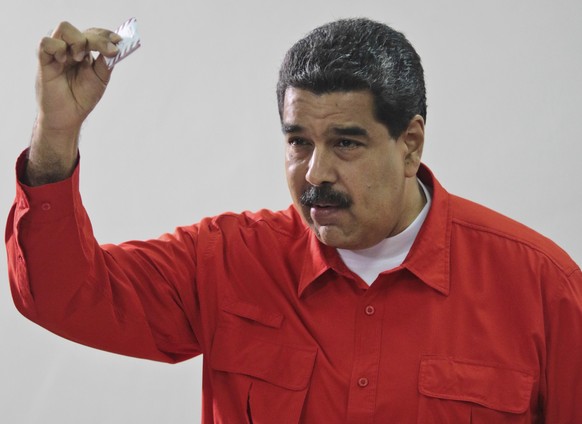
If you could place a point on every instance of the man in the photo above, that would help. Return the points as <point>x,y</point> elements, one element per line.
<point>377,297</point>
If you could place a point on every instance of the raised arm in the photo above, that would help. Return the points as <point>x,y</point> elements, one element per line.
<point>135,299</point>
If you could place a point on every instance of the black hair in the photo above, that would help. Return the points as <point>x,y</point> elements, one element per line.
<point>359,54</point>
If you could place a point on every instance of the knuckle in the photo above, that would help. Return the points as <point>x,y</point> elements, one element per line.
<point>96,33</point>
<point>44,41</point>
<point>78,44</point>
<point>63,25</point>
<point>51,45</point>
<point>96,41</point>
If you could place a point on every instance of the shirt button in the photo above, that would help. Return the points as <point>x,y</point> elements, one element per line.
<point>46,206</point>
<point>363,382</point>
<point>370,310</point>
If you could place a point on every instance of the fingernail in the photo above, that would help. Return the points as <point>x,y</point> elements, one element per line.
<point>112,48</point>
<point>80,56</point>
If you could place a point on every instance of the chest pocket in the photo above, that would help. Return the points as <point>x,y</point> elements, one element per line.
<point>465,392</point>
<point>274,376</point>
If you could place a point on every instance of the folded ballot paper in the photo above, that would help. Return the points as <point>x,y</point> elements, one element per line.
<point>130,43</point>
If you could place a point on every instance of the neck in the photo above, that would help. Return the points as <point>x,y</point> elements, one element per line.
<point>416,199</point>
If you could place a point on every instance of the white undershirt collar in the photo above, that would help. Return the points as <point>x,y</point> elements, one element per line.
<point>389,253</point>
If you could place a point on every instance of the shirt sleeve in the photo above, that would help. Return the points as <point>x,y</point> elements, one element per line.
<point>136,299</point>
<point>562,383</point>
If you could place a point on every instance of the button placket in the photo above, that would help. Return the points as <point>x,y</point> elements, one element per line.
<point>363,387</point>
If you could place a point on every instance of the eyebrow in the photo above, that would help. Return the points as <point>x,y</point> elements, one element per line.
<point>291,128</point>
<point>350,131</point>
<point>354,130</point>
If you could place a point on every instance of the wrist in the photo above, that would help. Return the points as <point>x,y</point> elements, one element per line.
<point>52,155</point>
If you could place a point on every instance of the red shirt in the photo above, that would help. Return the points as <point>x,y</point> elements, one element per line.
<point>482,323</point>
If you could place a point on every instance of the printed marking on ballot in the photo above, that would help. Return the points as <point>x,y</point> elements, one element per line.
<point>130,42</point>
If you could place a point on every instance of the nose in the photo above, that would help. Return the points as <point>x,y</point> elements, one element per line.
<point>321,168</point>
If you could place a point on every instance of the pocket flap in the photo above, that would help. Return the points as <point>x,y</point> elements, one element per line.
<point>253,312</point>
<point>492,386</point>
<point>285,366</point>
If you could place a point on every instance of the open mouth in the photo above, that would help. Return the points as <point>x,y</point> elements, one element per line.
<point>326,214</point>
<point>325,206</point>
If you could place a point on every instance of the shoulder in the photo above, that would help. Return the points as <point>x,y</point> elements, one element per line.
<point>283,223</point>
<point>505,233</point>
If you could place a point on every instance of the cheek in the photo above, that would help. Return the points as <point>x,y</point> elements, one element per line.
<point>378,189</point>
<point>295,177</point>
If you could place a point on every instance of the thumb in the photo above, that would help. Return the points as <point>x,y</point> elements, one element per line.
<point>102,70</point>
<point>101,66</point>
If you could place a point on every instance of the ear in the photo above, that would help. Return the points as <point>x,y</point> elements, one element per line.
<point>413,138</point>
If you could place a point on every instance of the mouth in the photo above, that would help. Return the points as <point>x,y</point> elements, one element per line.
<point>325,205</point>
<point>325,214</point>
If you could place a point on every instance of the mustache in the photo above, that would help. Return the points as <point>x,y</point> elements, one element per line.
<point>324,195</point>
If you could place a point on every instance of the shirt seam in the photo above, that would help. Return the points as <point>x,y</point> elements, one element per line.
<point>567,272</point>
<point>252,222</point>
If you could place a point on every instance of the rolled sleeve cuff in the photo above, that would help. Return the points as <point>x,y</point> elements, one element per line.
<point>47,202</point>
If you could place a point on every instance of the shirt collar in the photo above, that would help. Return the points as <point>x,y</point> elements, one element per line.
<point>318,259</point>
<point>428,258</point>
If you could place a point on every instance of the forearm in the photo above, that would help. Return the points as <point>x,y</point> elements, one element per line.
<point>109,298</point>
<point>52,155</point>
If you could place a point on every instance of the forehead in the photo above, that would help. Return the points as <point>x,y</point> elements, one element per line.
<point>303,107</point>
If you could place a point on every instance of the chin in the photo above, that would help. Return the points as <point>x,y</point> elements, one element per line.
<point>329,237</point>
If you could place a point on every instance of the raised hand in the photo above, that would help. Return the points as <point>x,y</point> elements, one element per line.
<point>70,83</point>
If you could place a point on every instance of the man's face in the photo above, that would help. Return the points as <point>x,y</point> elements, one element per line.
<point>350,180</point>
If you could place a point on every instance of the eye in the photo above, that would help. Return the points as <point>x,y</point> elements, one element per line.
<point>346,143</point>
<point>297,142</point>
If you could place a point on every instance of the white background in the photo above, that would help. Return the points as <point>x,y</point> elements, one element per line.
<point>189,128</point>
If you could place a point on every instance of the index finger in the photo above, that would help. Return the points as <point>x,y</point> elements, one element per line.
<point>75,40</point>
<point>103,41</point>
